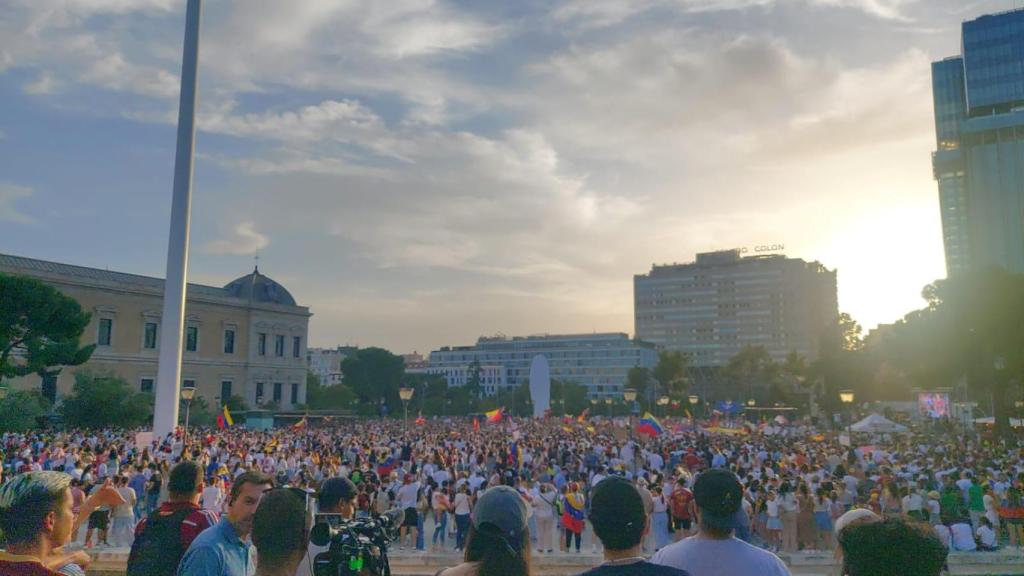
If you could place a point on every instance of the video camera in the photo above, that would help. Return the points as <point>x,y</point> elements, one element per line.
<point>356,545</point>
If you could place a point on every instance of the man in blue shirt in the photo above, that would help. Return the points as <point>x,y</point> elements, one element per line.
<point>224,548</point>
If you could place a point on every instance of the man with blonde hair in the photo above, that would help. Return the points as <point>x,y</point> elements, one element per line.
<point>37,519</point>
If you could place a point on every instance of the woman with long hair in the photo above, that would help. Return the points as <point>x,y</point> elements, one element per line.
<point>790,508</point>
<point>498,543</point>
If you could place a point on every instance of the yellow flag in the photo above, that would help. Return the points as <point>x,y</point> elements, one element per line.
<point>227,416</point>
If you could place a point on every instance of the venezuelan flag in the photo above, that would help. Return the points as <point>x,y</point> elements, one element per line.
<point>494,416</point>
<point>227,416</point>
<point>649,425</point>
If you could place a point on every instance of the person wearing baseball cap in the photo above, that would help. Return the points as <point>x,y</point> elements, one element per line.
<point>337,496</point>
<point>620,522</point>
<point>499,537</point>
<point>714,550</point>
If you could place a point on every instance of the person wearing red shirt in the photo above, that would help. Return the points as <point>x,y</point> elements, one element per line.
<point>184,518</point>
<point>37,519</point>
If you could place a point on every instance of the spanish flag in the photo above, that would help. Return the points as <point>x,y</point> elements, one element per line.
<point>494,416</point>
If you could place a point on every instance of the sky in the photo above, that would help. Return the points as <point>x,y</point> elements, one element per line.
<point>423,172</point>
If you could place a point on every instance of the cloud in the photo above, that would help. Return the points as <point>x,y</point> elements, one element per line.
<point>43,84</point>
<point>10,194</point>
<point>243,240</point>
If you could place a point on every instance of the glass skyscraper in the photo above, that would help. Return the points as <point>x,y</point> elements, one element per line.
<point>979,157</point>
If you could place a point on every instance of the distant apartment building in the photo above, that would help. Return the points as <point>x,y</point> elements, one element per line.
<point>246,339</point>
<point>325,363</point>
<point>979,157</point>
<point>713,307</point>
<point>600,362</point>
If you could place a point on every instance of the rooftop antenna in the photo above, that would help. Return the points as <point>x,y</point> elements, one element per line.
<point>256,260</point>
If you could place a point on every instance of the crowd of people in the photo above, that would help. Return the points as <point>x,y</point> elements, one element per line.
<point>780,489</point>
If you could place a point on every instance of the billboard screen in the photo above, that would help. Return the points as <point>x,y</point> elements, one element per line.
<point>933,405</point>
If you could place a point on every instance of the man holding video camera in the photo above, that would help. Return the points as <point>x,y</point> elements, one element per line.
<point>337,496</point>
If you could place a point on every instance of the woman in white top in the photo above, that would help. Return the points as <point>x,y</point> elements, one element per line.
<point>544,511</point>
<point>462,507</point>
<point>659,519</point>
<point>790,508</point>
<point>213,495</point>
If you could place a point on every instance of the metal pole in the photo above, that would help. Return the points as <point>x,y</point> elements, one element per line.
<point>188,410</point>
<point>168,382</point>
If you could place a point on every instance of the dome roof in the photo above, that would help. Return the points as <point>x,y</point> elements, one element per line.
<point>259,288</point>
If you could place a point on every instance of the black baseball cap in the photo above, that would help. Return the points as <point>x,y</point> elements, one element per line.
<point>719,496</point>
<point>334,490</point>
<point>616,504</point>
<point>502,508</point>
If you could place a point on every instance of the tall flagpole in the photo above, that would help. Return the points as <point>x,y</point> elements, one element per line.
<point>168,380</point>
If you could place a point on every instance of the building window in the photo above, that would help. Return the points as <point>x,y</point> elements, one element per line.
<point>295,394</point>
<point>149,338</point>
<point>191,338</point>
<point>279,346</point>
<point>188,383</point>
<point>225,391</point>
<point>146,385</point>
<point>296,346</point>
<point>229,341</point>
<point>106,328</point>
<point>277,392</point>
<point>261,344</point>
<point>259,393</point>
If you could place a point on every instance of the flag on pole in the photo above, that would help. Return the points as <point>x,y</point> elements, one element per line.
<point>227,416</point>
<point>420,420</point>
<point>583,415</point>
<point>301,424</point>
<point>649,425</point>
<point>220,422</point>
<point>476,425</point>
<point>494,416</point>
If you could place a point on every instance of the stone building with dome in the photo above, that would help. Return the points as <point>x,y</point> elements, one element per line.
<point>246,339</point>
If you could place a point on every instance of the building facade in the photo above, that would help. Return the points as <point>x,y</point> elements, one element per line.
<point>325,363</point>
<point>979,157</point>
<point>600,362</point>
<point>712,308</point>
<point>246,339</point>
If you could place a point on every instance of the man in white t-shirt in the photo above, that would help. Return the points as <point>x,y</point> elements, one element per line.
<point>407,497</point>
<point>963,539</point>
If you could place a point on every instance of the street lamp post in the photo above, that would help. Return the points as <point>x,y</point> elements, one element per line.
<point>663,402</point>
<point>187,394</point>
<point>3,392</point>
<point>694,399</point>
<point>846,397</point>
<point>405,394</point>
<point>750,404</point>
<point>608,402</point>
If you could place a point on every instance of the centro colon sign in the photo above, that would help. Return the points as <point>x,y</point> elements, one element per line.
<point>763,249</point>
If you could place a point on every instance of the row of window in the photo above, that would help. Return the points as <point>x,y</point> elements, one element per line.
<point>149,339</point>
<point>146,385</point>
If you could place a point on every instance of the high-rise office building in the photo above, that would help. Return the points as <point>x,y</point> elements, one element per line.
<point>979,157</point>
<point>714,307</point>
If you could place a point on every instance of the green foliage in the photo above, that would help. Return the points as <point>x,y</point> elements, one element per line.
<point>670,371</point>
<point>20,410</point>
<point>338,397</point>
<point>199,413</point>
<point>40,328</point>
<point>752,370</point>
<point>473,385</point>
<point>372,374</point>
<point>102,400</point>
<point>637,378</point>
<point>572,396</point>
<point>236,404</point>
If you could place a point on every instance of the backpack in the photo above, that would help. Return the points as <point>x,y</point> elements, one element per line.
<point>680,501</point>
<point>158,550</point>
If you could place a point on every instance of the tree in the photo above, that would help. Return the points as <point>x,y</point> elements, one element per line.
<point>473,385</point>
<point>103,400</point>
<point>199,413</point>
<point>670,371</point>
<point>40,328</point>
<point>375,374</point>
<point>337,397</point>
<point>753,368</point>
<point>20,410</point>
<point>840,364</point>
<point>637,379</point>
<point>236,404</point>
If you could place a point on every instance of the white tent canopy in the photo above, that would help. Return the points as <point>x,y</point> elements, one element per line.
<point>878,424</point>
